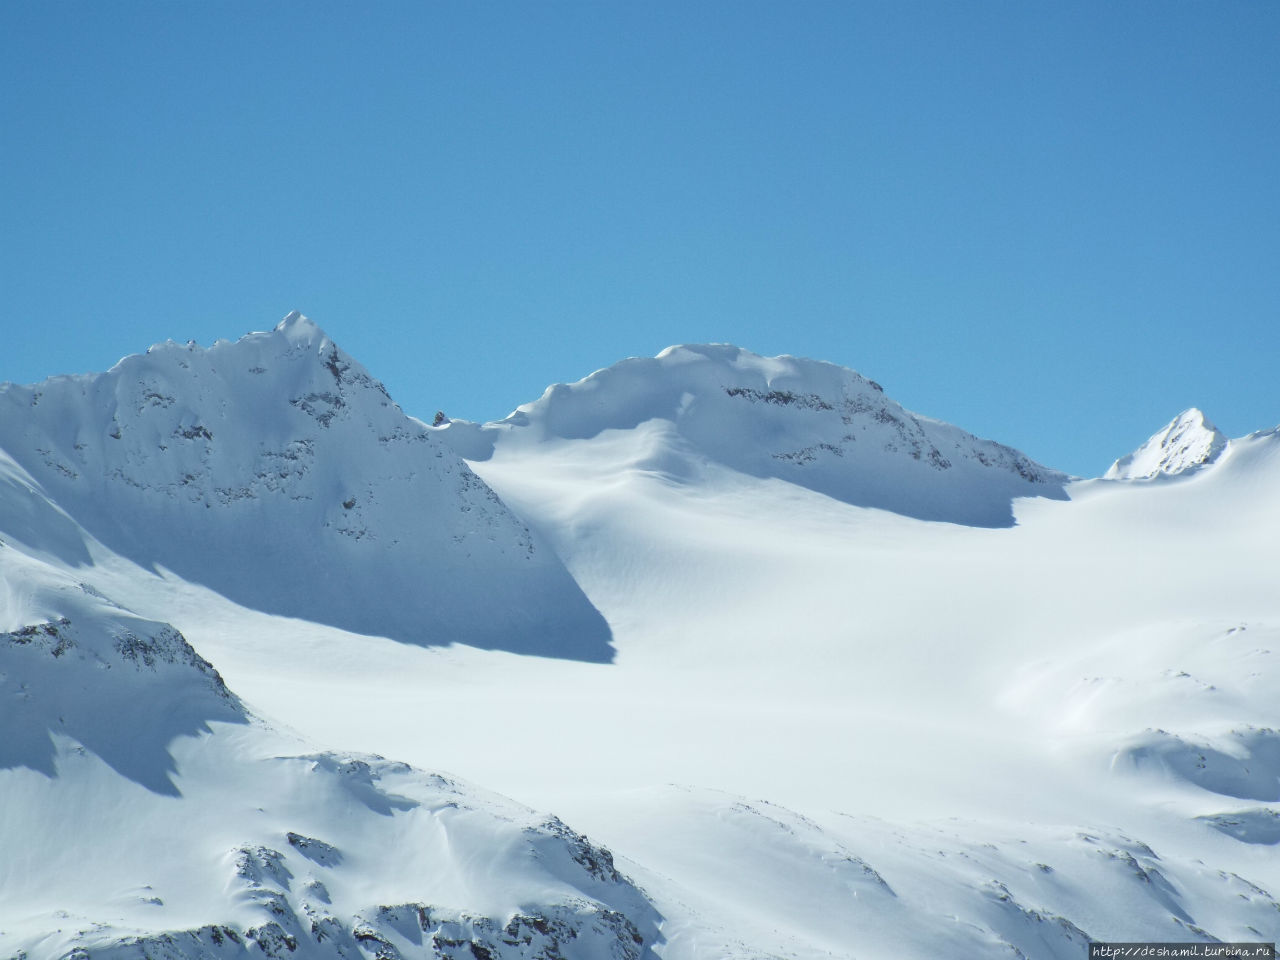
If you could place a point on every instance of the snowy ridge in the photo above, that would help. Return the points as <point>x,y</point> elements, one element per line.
<point>278,472</point>
<point>814,424</point>
<point>1187,442</point>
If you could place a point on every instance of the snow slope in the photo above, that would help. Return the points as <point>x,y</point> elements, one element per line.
<point>975,714</point>
<point>278,472</point>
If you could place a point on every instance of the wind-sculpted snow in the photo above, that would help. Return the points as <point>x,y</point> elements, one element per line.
<point>813,424</point>
<point>278,472</point>
<point>1256,825</point>
<point>1244,763</point>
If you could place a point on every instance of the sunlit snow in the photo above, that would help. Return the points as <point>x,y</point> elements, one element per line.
<point>768,666</point>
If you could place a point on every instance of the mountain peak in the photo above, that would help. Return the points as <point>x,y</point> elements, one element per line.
<point>277,471</point>
<point>297,327</point>
<point>296,319</point>
<point>815,424</point>
<point>1188,441</point>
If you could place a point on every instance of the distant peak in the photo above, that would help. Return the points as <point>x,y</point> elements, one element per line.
<point>298,328</point>
<point>1193,416</point>
<point>1188,441</point>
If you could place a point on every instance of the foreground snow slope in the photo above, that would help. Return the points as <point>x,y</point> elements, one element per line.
<point>277,471</point>
<point>831,728</point>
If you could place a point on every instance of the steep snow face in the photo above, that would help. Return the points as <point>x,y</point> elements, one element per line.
<point>814,424</point>
<point>278,472</point>
<point>1187,442</point>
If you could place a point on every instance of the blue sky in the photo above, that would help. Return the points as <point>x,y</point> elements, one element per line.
<point>1056,225</point>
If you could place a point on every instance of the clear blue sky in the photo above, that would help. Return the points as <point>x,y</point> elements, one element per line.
<point>1055,224</point>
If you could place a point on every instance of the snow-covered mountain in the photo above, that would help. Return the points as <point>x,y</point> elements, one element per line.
<point>279,473</point>
<point>1186,442</point>
<point>813,424</point>
<point>831,727</point>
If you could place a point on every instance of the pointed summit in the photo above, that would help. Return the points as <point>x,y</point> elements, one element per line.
<point>296,320</point>
<point>299,328</point>
<point>277,471</point>
<point>1187,442</point>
